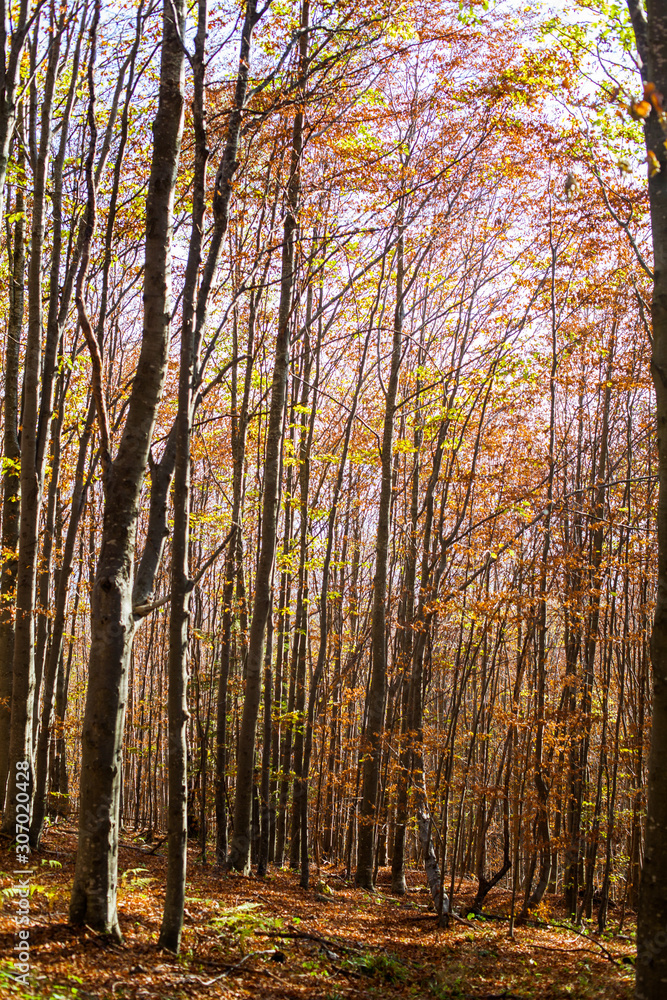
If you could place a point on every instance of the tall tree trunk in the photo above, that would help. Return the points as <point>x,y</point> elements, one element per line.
<point>301,630</point>
<point>540,776</point>
<point>279,789</point>
<point>181,586</point>
<point>597,532</point>
<point>239,855</point>
<point>651,959</point>
<point>60,295</point>
<point>573,642</point>
<point>408,680</point>
<point>45,570</point>
<point>11,475</point>
<point>93,900</point>
<point>265,780</point>
<point>239,430</point>
<point>239,427</point>
<point>59,775</point>
<point>324,622</point>
<point>376,693</point>
<point>36,390</point>
<point>59,305</point>
<point>55,652</point>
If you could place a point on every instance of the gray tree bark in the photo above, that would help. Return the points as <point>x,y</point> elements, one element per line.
<point>221,202</point>
<point>181,586</point>
<point>305,433</point>
<point>377,689</point>
<point>37,393</point>
<point>408,683</point>
<point>239,854</point>
<point>50,425</point>
<point>55,652</point>
<point>11,476</point>
<point>651,36</point>
<point>93,899</point>
<point>324,621</point>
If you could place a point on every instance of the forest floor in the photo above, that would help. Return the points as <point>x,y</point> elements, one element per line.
<point>246,936</point>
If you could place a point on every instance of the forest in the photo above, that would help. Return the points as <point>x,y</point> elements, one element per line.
<point>333,593</point>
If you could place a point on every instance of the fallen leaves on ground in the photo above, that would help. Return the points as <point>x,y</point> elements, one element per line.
<point>248,935</point>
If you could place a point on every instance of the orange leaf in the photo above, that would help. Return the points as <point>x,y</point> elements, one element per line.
<point>640,110</point>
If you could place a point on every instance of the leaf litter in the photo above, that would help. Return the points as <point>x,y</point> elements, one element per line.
<point>243,935</point>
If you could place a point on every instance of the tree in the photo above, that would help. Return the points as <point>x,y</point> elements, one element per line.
<point>11,474</point>
<point>651,37</point>
<point>39,371</point>
<point>240,846</point>
<point>364,876</point>
<point>93,900</point>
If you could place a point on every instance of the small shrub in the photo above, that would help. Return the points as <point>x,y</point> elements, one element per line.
<point>380,966</point>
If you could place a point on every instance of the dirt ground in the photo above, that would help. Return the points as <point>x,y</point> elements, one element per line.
<point>268,937</point>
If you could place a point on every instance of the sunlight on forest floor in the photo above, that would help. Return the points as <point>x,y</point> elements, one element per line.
<point>243,935</point>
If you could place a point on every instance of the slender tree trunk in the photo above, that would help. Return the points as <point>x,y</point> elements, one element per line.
<point>324,624</point>
<point>265,779</point>
<point>376,693</point>
<point>45,570</point>
<point>573,641</point>
<point>240,846</point>
<point>408,681</point>
<point>60,296</point>
<point>540,776</point>
<point>59,775</point>
<point>279,804</point>
<point>223,191</point>
<point>301,637</point>
<point>11,476</point>
<point>55,653</point>
<point>234,555</point>
<point>239,855</point>
<point>33,452</point>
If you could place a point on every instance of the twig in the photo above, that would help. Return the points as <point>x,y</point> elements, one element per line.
<point>248,972</point>
<point>141,610</point>
<point>233,968</point>
<point>293,934</point>
<point>211,559</point>
<point>143,850</point>
<point>102,940</point>
<point>435,916</point>
<point>612,958</point>
<point>88,234</point>
<point>571,951</point>
<point>625,226</point>
<point>493,996</point>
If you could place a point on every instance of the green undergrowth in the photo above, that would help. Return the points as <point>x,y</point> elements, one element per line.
<point>38,988</point>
